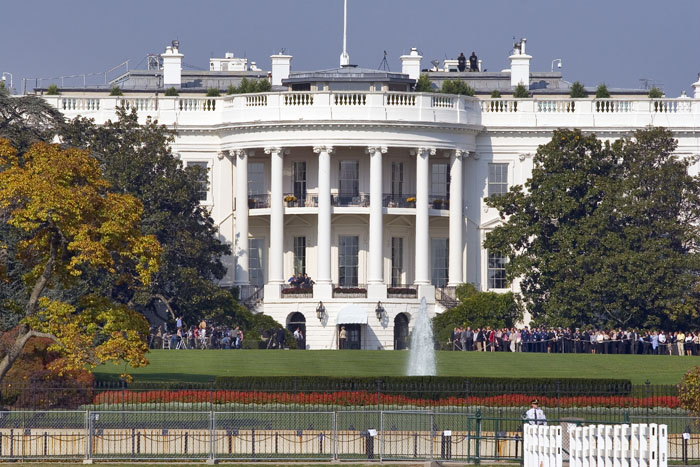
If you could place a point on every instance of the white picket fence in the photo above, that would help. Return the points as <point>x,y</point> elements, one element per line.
<point>636,445</point>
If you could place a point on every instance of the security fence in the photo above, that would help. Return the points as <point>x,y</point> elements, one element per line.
<point>221,435</point>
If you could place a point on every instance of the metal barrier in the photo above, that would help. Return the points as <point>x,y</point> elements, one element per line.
<point>409,435</point>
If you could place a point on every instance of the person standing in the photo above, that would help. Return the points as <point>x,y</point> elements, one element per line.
<point>535,415</point>
<point>281,336</point>
<point>461,62</point>
<point>342,338</point>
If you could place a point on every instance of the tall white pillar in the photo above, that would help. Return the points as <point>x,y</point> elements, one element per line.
<point>323,289</point>
<point>423,222</point>
<point>240,230</point>
<point>376,287</point>
<point>276,276</point>
<point>456,219</point>
<point>224,209</point>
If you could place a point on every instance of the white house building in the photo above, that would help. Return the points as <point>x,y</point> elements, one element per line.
<point>375,191</point>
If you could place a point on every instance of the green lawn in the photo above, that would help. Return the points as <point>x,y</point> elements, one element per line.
<point>203,365</point>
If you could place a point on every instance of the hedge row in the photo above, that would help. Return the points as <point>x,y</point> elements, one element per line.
<point>431,387</point>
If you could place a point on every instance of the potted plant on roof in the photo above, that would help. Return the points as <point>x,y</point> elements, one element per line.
<point>411,200</point>
<point>290,200</point>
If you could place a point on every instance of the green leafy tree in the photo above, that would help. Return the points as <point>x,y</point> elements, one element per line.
<point>602,92</point>
<point>115,91</point>
<point>495,94</point>
<point>137,160</point>
<point>52,90</point>
<point>456,86</point>
<point>171,91</point>
<point>213,92</point>
<point>689,391</point>
<point>423,84</point>
<point>655,93</point>
<point>577,91</point>
<point>477,309</point>
<point>604,234</point>
<point>521,92</point>
<point>247,86</point>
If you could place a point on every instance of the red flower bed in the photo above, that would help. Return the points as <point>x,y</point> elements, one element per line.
<point>363,398</point>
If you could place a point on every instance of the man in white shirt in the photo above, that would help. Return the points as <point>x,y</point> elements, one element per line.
<point>535,415</point>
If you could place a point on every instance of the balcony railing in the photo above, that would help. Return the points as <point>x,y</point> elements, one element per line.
<point>297,291</point>
<point>402,291</point>
<point>399,201</point>
<point>310,200</point>
<point>439,201</point>
<point>360,200</point>
<point>258,201</point>
<point>350,291</point>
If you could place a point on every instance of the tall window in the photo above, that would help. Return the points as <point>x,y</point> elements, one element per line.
<point>498,179</point>
<point>496,271</point>
<point>203,192</point>
<point>439,256</point>
<point>347,261</point>
<point>397,179</point>
<point>349,174</point>
<point>256,260</point>
<point>439,181</point>
<point>256,179</point>
<point>299,176</point>
<point>396,261</point>
<point>299,255</point>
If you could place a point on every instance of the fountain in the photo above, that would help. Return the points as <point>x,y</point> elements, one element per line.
<point>421,357</point>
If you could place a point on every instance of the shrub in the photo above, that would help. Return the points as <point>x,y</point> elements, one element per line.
<point>602,92</point>
<point>495,94</point>
<point>655,93</point>
<point>52,90</point>
<point>115,91</point>
<point>456,86</point>
<point>171,91</point>
<point>424,84</point>
<point>577,91</point>
<point>213,92</point>
<point>521,92</point>
<point>689,391</point>
<point>250,86</point>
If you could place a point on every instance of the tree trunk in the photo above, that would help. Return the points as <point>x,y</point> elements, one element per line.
<point>16,349</point>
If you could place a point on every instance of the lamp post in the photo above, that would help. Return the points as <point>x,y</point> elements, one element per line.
<point>558,64</point>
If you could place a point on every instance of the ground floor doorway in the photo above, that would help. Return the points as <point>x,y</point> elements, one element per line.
<point>400,332</point>
<point>353,333</point>
<point>298,321</point>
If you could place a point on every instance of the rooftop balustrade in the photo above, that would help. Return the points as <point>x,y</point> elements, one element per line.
<point>389,106</point>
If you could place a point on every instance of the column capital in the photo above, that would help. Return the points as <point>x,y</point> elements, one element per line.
<point>320,149</point>
<point>461,153</point>
<point>419,151</point>
<point>222,154</point>
<point>372,149</point>
<point>241,153</point>
<point>525,155</point>
<point>276,150</point>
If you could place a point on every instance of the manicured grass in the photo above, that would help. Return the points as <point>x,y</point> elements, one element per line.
<point>204,365</point>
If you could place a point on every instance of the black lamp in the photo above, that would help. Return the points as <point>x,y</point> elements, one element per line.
<point>380,311</point>
<point>320,311</point>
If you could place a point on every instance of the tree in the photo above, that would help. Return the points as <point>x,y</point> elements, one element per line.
<point>477,309</point>
<point>655,93</point>
<point>423,84</point>
<point>495,94</point>
<point>602,92</point>
<point>604,234</point>
<point>213,92</point>
<point>521,92</point>
<point>71,225</point>
<point>137,159</point>
<point>171,92</point>
<point>456,86</point>
<point>577,91</point>
<point>116,91</point>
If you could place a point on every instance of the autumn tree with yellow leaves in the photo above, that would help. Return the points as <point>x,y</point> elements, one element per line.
<point>70,225</point>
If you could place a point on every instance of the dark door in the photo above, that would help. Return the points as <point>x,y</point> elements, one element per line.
<point>400,332</point>
<point>354,336</point>
<point>297,321</point>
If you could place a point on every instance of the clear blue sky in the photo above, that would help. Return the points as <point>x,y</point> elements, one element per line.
<point>612,41</point>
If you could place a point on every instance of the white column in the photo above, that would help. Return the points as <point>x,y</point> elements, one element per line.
<point>240,230</point>
<point>422,278</point>
<point>224,208</point>
<point>323,288</point>
<point>375,274</point>
<point>456,219</point>
<point>276,276</point>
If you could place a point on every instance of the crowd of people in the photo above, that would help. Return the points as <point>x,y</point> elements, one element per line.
<point>203,336</point>
<point>301,281</point>
<point>558,340</point>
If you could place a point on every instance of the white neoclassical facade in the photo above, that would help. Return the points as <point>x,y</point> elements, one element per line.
<point>374,191</point>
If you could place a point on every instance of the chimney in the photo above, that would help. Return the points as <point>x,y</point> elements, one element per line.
<point>281,66</point>
<point>696,88</point>
<point>172,66</point>
<point>410,64</point>
<point>520,65</point>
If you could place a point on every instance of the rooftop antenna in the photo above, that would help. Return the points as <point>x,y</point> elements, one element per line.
<point>384,65</point>
<point>344,57</point>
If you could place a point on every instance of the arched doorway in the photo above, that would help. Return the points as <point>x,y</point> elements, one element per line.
<point>400,331</point>
<point>297,321</point>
